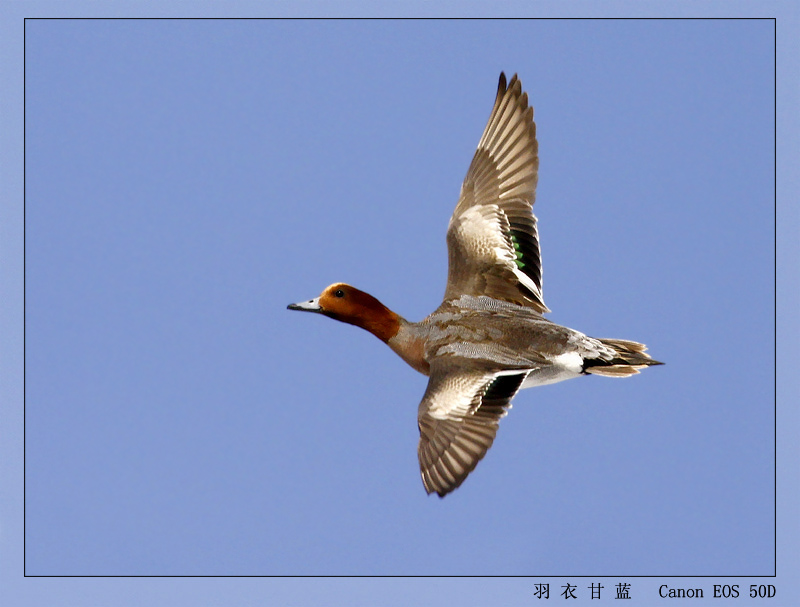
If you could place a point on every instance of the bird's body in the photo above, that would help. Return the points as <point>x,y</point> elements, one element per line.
<point>488,339</point>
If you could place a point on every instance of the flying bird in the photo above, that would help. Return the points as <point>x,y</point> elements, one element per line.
<point>488,339</point>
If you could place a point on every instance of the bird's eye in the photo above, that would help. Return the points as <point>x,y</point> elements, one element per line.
<point>338,293</point>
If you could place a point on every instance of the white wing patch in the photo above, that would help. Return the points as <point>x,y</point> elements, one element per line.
<point>456,400</point>
<point>484,227</point>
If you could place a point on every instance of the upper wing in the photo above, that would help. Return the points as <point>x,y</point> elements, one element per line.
<point>458,419</point>
<point>492,241</point>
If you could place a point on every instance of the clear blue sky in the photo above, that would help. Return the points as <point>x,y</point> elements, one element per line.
<point>188,179</point>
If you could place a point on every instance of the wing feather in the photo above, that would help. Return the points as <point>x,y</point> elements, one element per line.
<point>458,420</point>
<point>493,242</point>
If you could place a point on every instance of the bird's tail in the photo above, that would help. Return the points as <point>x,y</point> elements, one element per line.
<point>628,357</point>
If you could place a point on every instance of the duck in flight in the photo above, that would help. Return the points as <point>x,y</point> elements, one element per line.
<point>488,339</point>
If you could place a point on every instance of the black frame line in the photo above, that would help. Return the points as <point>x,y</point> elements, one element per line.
<point>532,576</point>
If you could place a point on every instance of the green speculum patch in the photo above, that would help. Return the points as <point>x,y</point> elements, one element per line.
<point>517,251</point>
